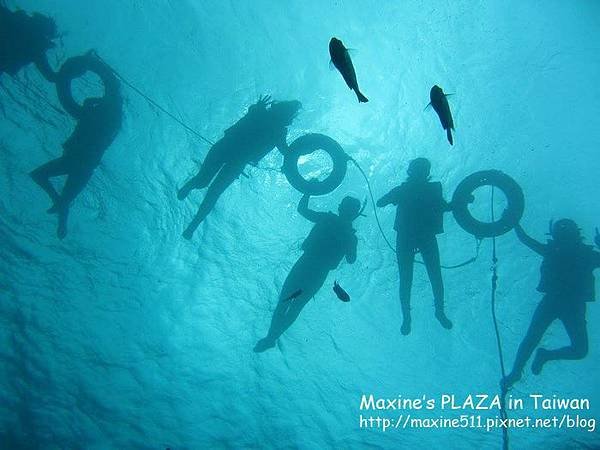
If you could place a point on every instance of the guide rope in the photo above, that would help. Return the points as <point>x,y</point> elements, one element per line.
<point>494,270</point>
<point>154,103</point>
<point>455,266</point>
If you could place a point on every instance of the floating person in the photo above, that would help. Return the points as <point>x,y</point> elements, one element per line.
<point>331,239</point>
<point>249,140</point>
<point>441,107</point>
<point>98,122</point>
<point>419,218</point>
<point>567,282</point>
<point>342,62</point>
<point>24,40</point>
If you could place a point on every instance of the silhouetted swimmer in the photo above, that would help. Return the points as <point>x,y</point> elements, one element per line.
<point>419,218</point>
<point>25,40</point>
<point>98,122</point>
<point>441,107</point>
<point>331,239</point>
<point>340,292</point>
<point>249,140</point>
<point>567,281</point>
<point>342,61</point>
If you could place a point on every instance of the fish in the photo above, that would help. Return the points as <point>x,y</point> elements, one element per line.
<point>342,62</point>
<point>441,107</point>
<point>296,294</point>
<point>340,292</point>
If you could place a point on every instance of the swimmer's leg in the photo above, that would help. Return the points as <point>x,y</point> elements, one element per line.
<point>405,256</point>
<point>75,183</point>
<point>431,257</point>
<point>576,327</point>
<point>543,316</point>
<point>213,162</point>
<point>42,175</point>
<point>306,275</point>
<point>226,176</point>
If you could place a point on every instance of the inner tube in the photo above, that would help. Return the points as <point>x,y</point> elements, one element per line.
<point>509,218</point>
<point>75,67</point>
<point>305,145</point>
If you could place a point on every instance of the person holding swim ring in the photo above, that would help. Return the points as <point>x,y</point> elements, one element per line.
<point>98,122</point>
<point>249,140</point>
<point>331,239</point>
<point>567,282</point>
<point>419,218</point>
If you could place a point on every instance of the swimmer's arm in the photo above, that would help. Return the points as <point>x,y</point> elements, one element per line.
<point>282,142</point>
<point>534,245</point>
<point>351,253</point>
<point>307,213</point>
<point>41,62</point>
<point>389,198</point>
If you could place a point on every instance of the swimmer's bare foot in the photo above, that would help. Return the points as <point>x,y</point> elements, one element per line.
<point>440,315</point>
<point>264,344</point>
<point>405,328</point>
<point>510,379</point>
<point>185,190</point>
<point>187,234</point>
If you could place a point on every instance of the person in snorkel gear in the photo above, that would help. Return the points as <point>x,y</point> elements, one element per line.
<point>249,140</point>
<point>330,240</point>
<point>419,218</point>
<point>567,282</point>
<point>24,40</point>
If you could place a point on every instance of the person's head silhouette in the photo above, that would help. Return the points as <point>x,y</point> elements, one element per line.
<point>44,25</point>
<point>285,112</point>
<point>349,208</point>
<point>565,231</point>
<point>418,169</point>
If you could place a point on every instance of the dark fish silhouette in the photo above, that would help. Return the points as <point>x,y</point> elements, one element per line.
<point>342,62</point>
<point>441,107</point>
<point>294,295</point>
<point>340,292</point>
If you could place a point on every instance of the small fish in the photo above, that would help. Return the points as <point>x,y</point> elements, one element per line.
<point>340,292</point>
<point>441,107</point>
<point>296,294</point>
<point>342,62</point>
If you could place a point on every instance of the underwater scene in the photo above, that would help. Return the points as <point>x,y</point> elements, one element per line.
<point>283,224</point>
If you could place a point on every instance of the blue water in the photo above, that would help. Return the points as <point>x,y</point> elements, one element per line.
<point>126,336</point>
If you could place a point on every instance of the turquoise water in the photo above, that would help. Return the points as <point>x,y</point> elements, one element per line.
<point>124,335</point>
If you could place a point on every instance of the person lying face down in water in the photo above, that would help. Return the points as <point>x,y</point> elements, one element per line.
<point>249,140</point>
<point>567,282</point>
<point>25,40</point>
<point>419,218</point>
<point>330,240</point>
<point>98,123</point>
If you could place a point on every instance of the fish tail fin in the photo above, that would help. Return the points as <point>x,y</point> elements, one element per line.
<point>449,135</point>
<point>361,97</point>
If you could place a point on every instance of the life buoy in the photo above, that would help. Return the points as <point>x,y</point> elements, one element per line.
<point>75,67</point>
<point>509,218</point>
<point>305,145</point>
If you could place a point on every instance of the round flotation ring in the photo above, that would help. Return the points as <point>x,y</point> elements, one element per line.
<point>511,215</point>
<point>75,67</point>
<point>305,145</point>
